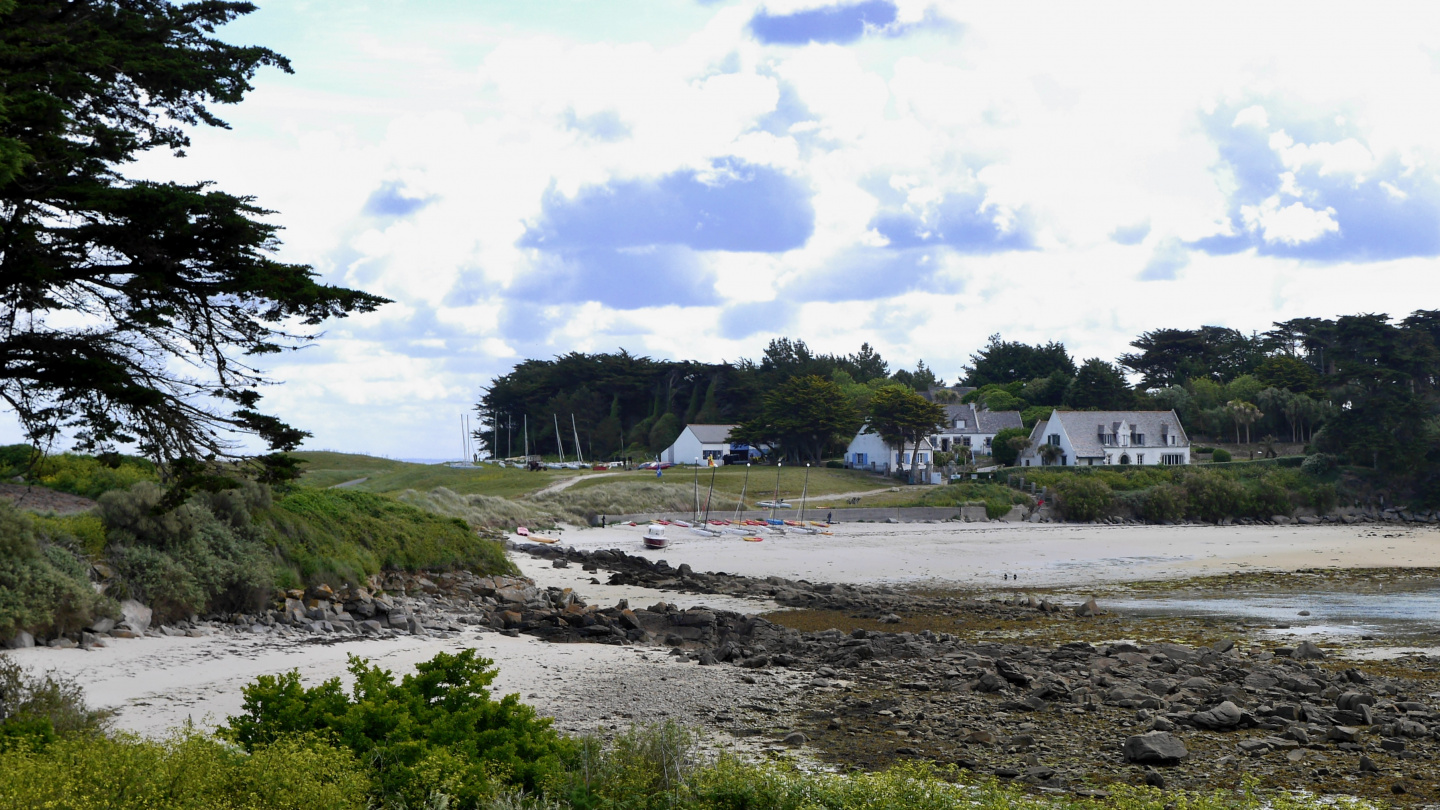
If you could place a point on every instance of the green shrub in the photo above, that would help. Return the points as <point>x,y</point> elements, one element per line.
<point>1220,455</point>
<point>188,771</point>
<point>1267,497</point>
<point>1213,496</point>
<point>92,476</point>
<point>434,731</point>
<point>835,465</point>
<point>44,587</point>
<point>1201,449</point>
<point>1323,498</point>
<point>1002,447</point>
<point>204,556</point>
<point>1167,502</point>
<point>1085,498</point>
<point>1318,465</point>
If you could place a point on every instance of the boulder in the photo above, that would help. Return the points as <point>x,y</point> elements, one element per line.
<point>135,616</point>
<point>1307,651</point>
<point>104,625</point>
<point>1155,748</point>
<point>1090,608</point>
<point>1226,715</point>
<point>21,641</point>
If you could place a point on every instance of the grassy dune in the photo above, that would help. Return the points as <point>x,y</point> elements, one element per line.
<point>387,476</point>
<point>762,486</point>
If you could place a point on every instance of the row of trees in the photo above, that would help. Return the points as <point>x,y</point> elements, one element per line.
<point>621,403</point>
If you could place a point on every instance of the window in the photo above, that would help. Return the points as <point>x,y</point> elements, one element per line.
<point>1027,462</point>
<point>965,440</point>
<point>1109,458</point>
<point>1053,438</point>
<point>1172,458</point>
<point>987,442</point>
<point>1139,458</point>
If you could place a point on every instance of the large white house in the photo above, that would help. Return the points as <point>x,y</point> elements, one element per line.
<point>966,426</point>
<point>702,442</point>
<point>1089,438</point>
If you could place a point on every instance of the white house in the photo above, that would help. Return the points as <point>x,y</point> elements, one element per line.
<point>966,426</point>
<point>700,442</point>
<point>1089,438</point>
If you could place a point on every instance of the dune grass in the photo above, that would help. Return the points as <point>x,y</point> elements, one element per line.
<point>388,476</point>
<point>574,506</point>
<point>762,482</point>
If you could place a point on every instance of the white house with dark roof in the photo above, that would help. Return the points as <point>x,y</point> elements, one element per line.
<point>1091,438</point>
<point>965,426</point>
<point>701,442</point>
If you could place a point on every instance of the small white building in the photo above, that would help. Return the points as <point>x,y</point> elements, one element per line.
<point>966,427</point>
<point>1090,438</point>
<point>701,442</point>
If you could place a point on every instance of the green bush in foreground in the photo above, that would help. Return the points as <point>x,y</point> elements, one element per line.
<point>185,771</point>
<point>436,731</point>
<point>1220,455</point>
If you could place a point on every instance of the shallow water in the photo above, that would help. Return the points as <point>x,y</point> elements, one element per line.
<point>1410,615</point>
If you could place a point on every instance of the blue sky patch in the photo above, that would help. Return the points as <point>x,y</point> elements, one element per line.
<point>830,24</point>
<point>959,221</point>
<point>737,207</point>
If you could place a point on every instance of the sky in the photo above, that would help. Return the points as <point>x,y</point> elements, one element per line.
<point>688,179</point>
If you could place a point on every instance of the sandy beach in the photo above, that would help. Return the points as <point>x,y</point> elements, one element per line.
<point>1034,555</point>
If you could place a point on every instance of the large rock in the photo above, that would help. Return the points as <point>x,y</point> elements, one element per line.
<point>1226,715</point>
<point>1155,748</point>
<point>21,641</point>
<point>1307,651</point>
<point>102,625</point>
<point>135,616</point>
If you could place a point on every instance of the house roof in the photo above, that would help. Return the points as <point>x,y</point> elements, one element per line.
<point>711,434</point>
<point>979,420</point>
<point>1082,426</point>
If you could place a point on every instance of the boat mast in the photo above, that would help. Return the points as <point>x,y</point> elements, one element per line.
<point>576,433</point>
<point>710,496</point>
<point>804,492</point>
<point>740,504</point>
<point>525,436</point>
<point>775,504</point>
<point>559,441</point>
<point>495,436</point>
<point>696,516</point>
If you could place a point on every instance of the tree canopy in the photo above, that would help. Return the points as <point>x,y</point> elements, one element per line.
<point>901,416</point>
<point>131,310</point>
<point>1002,361</point>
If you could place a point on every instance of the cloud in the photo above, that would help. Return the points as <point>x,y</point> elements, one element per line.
<point>964,222</point>
<point>1131,234</point>
<point>1166,261</point>
<point>620,278</point>
<point>391,200</point>
<point>734,206</point>
<point>837,24</point>
<point>1310,187</point>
